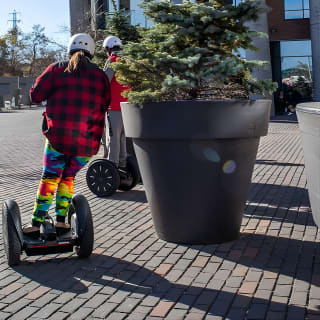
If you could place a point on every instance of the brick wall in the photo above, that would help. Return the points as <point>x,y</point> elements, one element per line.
<point>280,29</point>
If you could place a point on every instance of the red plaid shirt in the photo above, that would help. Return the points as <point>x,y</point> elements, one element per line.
<point>76,106</point>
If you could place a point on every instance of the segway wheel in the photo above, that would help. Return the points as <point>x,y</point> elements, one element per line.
<point>11,241</point>
<point>133,175</point>
<point>102,178</point>
<point>80,219</point>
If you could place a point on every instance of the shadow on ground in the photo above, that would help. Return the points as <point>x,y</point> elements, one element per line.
<point>285,118</point>
<point>283,256</point>
<point>276,163</point>
<point>281,203</point>
<point>131,195</point>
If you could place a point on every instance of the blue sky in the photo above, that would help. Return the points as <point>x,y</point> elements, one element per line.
<point>51,14</point>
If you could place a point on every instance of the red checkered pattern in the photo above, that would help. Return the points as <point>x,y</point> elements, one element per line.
<point>76,107</point>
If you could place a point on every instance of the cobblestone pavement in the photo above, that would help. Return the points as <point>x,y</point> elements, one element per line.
<point>271,272</point>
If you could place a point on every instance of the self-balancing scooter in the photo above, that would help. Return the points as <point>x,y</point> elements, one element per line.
<point>103,178</point>
<point>80,235</point>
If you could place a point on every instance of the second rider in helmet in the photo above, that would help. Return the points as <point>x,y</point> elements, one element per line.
<point>117,152</point>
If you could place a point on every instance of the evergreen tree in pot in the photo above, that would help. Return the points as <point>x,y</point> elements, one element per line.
<point>195,131</point>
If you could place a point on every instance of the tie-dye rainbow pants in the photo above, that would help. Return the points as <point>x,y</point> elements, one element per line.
<point>59,171</point>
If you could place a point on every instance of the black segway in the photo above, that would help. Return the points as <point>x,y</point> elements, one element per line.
<point>104,178</point>
<point>80,236</point>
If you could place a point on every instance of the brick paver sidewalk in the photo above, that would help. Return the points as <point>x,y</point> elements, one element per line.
<point>271,272</point>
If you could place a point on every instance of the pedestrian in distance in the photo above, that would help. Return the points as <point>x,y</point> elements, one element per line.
<point>78,95</point>
<point>116,140</point>
<point>281,102</point>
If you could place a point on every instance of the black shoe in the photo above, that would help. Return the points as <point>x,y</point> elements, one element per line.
<point>62,230</point>
<point>31,234</point>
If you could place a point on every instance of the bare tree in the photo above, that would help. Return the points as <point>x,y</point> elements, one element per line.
<point>36,49</point>
<point>11,50</point>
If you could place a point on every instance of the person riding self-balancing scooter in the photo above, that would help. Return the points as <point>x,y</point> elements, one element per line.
<point>118,170</point>
<point>73,125</point>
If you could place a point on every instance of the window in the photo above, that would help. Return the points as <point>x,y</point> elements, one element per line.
<point>296,70</point>
<point>296,9</point>
<point>296,59</point>
<point>236,2</point>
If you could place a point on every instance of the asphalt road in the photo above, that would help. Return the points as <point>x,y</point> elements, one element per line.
<point>21,122</point>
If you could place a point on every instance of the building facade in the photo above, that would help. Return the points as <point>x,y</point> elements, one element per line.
<point>291,51</point>
<point>292,46</point>
<point>16,88</point>
<point>91,13</point>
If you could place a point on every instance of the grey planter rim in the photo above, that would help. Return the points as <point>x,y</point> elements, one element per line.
<point>200,100</point>
<point>308,107</point>
<point>195,118</point>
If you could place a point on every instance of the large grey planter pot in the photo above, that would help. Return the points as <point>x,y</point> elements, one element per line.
<point>196,160</point>
<point>309,123</point>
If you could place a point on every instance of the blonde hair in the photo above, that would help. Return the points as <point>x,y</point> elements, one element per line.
<point>77,61</point>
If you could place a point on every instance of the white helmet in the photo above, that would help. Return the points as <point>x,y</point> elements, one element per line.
<point>81,41</point>
<point>111,42</point>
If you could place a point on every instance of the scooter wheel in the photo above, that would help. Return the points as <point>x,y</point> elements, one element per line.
<point>11,241</point>
<point>102,178</point>
<point>80,219</point>
<point>85,247</point>
<point>133,178</point>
